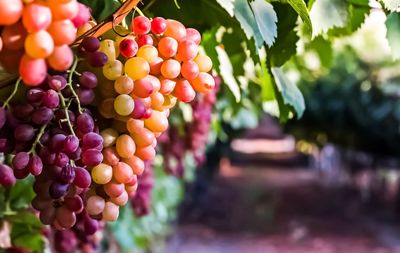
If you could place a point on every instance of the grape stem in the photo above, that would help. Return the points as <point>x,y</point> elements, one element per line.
<point>65,107</point>
<point>37,139</point>
<point>70,75</point>
<point>139,11</point>
<point>13,93</point>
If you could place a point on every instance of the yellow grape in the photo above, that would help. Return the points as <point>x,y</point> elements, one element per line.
<point>157,122</point>
<point>109,136</point>
<point>113,69</point>
<point>111,156</point>
<point>175,29</point>
<point>137,68</point>
<point>157,101</point>
<point>108,47</point>
<point>148,52</point>
<point>204,82</point>
<point>124,105</point>
<point>111,212</point>
<point>123,85</point>
<point>169,101</point>
<point>95,205</point>
<point>102,173</point>
<point>61,59</point>
<point>63,32</point>
<point>122,172</point>
<point>136,164</point>
<point>134,125</point>
<point>204,62</point>
<point>125,146</point>
<point>106,108</point>
<point>39,44</point>
<point>171,69</point>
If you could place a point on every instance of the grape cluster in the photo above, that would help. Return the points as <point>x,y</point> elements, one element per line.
<point>36,34</point>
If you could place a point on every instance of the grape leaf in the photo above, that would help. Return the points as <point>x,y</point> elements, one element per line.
<point>393,33</point>
<point>266,20</point>
<point>301,8</point>
<point>227,5</point>
<point>326,14</point>
<point>324,50</point>
<point>226,72</point>
<point>289,91</point>
<point>391,5</point>
<point>246,19</point>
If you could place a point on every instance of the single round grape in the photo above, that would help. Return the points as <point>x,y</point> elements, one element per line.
<point>128,48</point>
<point>13,36</point>
<point>88,80</point>
<point>141,25</point>
<point>57,142</point>
<point>204,82</point>
<point>91,140</point>
<point>143,138</point>
<point>64,10</point>
<point>167,86</point>
<point>111,156</point>
<point>157,122</point>
<point>124,105</point>
<point>82,17</point>
<point>92,157</point>
<point>91,44</point>
<point>57,82</point>
<point>123,85</point>
<point>61,159</point>
<point>58,190</point>
<point>20,161</point>
<point>34,95</point>
<point>125,146</point>
<point>184,91</point>
<point>113,69</point>
<point>137,68</point>
<point>7,178</point>
<point>97,59</point>
<point>134,125</point>
<point>24,132</point>
<point>102,173</point>
<point>136,164</point>
<point>108,47</point>
<point>71,144</point>
<point>158,25</point>
<point>65,217</point>
<point>82,178</point>
<point>187,50</point>
<point>47,215</point>
<point>109,136</point>
<point>139,110</point>
<point>35,165</point>
<point>61,59</point>
<point>175,29</point>
<point>204,62</point>
<point>75,204</point>
<point>110,212</point>
<point>86,96</point>
<point>39,44</point>
<point>122,172</point>
<point>121,200</point>
<point>63,32</point>
<point>11,11</point>
<point>148,52</point>
<point>85,123</point>
<point>114,189</point>
<point>50,99</point>
<point>190,70</point>
<point>143,87</point>
<point>145,153</point>
<point>171,69</point>
<point>32,71</point>
<point>168,47</point>
<point>90,225</point>
<point>157,101</point>
<point>144,39</point>
<point>21,174</point>
<point>42,116</point>
<point>36,17</point>
<point>193,35</point>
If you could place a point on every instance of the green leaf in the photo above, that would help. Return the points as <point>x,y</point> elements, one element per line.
<point>327,14</point>
<point>21,194</point>
<point>301,8</point>
<point>226,72</point>
<point>289,91</point>
<point>266,20</point>
<point>391,5</point>
<point>100,8</point>
<point>247,21</point>
<point>324,50</point>
<point>227,5</point>
<point>393,33</point>
<point>26,218</point>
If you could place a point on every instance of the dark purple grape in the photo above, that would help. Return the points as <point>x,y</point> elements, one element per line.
<point>5,145</point>
<point>91,44</point>
<point>82,178</point>
<point>139,110</point>
<point>3,117</point>
<point>57,82</point>
<point>85,123</point>
<point>58,190</point>
<point>44,139</point>
<point>92,140</point>
<point>42,116</point>
<point>88,80</point>
<point>57,142</point>
<point>35,165</point>
<point>97,59</point>
<point>53,171</point>
<point>71,144</point>
<point>21,174</point>
<point>61,160</point>
<point>20,161</point>
<point>34,95</point>
<point>75,204</point>
<point>90,225</point>
<point>86,96</point>
<point>23,111</point>
<point>12,121</point>
<point>24,132</point>
<point>76,155</point>
<point>92,157</point>
<point>7,178</point>
<point>47,156</point>
<point>66,241</point>
<point>50,99</point>
<point>67,174</point>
